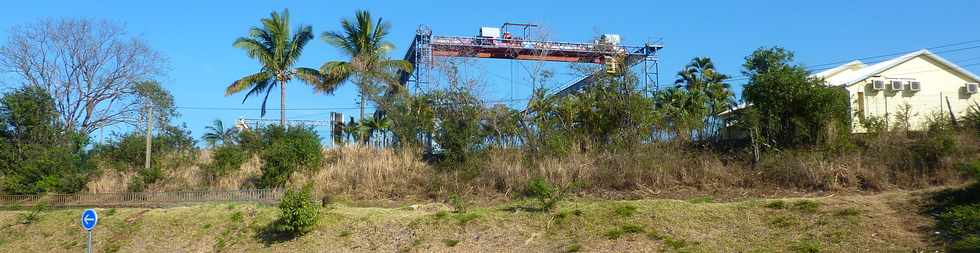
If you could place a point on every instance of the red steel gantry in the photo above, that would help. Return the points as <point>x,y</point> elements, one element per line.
<point>491,44</point>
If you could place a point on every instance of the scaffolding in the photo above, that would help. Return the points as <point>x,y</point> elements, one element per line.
<point>426,46</point>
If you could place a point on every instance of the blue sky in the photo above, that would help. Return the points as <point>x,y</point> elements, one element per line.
<point>196,36</point>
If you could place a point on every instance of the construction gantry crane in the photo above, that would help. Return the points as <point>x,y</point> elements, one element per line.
<point>491,43</point>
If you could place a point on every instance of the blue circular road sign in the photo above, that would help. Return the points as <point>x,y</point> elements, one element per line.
<point>89,219</point>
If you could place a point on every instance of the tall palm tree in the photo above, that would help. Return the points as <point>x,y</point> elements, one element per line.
<point>217,133</point>
<point>707,90</point>
<point>363,40</point>
<point>277,49</point>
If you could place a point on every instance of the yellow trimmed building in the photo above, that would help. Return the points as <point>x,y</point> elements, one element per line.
<point>918,84</point>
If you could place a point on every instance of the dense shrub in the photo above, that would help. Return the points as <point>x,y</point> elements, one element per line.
<point>225,159</point>
<point>287,150</point>
<point>36,153</point>
<point>545,193</point>
<point>298,212</point>
<point>961,221</point>
<point>171,146</point>
<point>459,133</point>
<point>796,110</point>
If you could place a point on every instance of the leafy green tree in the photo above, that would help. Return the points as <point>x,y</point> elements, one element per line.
<point>793,108</point>
<point>37,153</point>
<point>457,130</point>
<point>277,49</point>
<point>363,40</point>
<point>217,133</point>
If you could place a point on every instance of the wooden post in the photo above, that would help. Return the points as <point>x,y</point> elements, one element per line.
<point>149,134</point>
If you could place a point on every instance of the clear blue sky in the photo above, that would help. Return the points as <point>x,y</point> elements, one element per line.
<point>196,36</point>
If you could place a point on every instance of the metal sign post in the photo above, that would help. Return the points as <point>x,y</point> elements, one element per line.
<point>89,219</point>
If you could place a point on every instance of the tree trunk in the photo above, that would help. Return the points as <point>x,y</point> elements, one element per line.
<point>360,134</point>
<point>282,103</point>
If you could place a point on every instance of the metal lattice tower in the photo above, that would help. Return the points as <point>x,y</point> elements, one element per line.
<point>425,46</point>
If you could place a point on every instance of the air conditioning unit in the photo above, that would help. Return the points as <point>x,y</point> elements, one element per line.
<point>971,88</point>
<point>877,84</point>
<point>897,85</point>
<point>915,85</point>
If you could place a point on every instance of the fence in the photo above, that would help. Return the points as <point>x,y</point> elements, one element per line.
<point>142,199</point>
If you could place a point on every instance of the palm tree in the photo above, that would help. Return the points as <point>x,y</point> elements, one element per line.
<point>707,90</point>
<point>363,40</point>
<point>351,129</point>
<point>277,50</point>
<point>217,133</point>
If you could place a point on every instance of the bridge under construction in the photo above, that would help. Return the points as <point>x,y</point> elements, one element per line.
<point>514,41</point>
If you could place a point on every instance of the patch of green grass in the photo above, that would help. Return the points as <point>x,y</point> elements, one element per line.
<point>626,210</point>
<point>441,215</point>
<point>654,235</point>
<point>806,246</point>
<point>345,233</point>
<point>614,234</point>
<point>848,212</point>
<point>560,217</point>
<point>464,218</point>
<point>618,232</point>
<point>450,242</point>
<point>237,217</point>
<point>807,206</point>
<point>702,200</point>
<point>110,212</point>
<point>778,204</point>
<point>675,244</point>
<point>632,228</point>
<point>206,226</point>
<point>783,221</point>
<point>574,247</point>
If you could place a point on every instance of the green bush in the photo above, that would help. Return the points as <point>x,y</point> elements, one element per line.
<point>286,151</point>
<point>145,177</point>
<point>796,110</point>
<point>968,244</point>
<point>225,159</point>
<point>298,212</point>
<point>37,154</point>
<point>34,214</point>
<point>458,203</point>
<point>547,195</point>
<point>961,221</point>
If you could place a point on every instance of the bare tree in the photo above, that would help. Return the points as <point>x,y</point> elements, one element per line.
<point>90,67</point>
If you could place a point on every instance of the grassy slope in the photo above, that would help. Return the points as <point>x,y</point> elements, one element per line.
<point>876,223</point>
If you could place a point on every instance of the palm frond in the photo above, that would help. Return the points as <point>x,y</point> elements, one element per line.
<point>253,80</point>
<point>312,77</point>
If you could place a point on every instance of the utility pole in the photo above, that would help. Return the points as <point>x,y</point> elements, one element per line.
<point>149,133</point>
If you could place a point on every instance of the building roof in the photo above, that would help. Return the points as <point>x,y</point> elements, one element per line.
<point>847,79</point>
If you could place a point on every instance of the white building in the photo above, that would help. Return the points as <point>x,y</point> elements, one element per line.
<point>921,80</point>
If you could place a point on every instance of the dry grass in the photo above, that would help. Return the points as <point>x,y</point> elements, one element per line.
<point>366,172</point>
<point>664,170</point>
